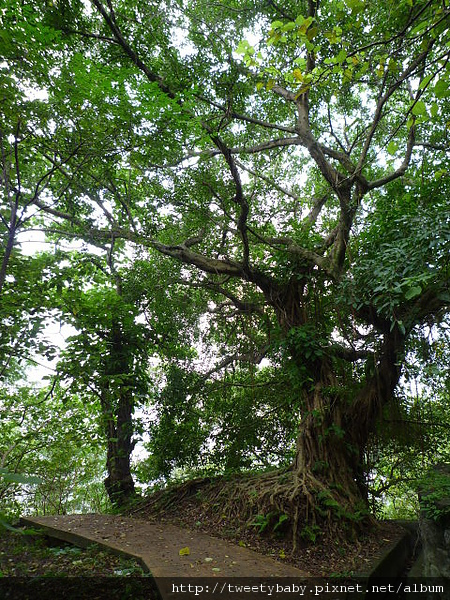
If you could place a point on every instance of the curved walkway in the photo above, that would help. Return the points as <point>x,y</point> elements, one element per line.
<point>157,547</point>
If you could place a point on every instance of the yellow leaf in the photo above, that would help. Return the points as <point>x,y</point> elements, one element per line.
<point>297,74</point>
<point>348,74</point>
<point>184,551</point>
<point>312,32</point>
<point>392,65</point>
<point>302,90</point>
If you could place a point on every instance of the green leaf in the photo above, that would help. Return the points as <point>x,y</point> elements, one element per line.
<point>18,478</point>
<point>392,148</point>
<point>276,24</point>
<point>420,27</point>
<point>341,56</point>
<point>441,89</point>
<point>425,81</point>
<point>419,108</point>
<point>413,292</point>
<point>356,6</point>
<point>242,47</point>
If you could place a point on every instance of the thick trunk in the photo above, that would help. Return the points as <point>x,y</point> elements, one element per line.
<point>324,490</point>
<point>334,432</point>
<point>328,471</point>
<point>326,445</point>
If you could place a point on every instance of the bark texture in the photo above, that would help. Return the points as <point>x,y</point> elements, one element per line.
<point>117,408</point>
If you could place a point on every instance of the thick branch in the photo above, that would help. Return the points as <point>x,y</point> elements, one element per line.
<point>242,305</point>
<point>239,197</point>
<point>208,265</point>
<point>253,358</point>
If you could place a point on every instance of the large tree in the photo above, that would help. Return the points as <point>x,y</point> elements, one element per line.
<point>295,160</point>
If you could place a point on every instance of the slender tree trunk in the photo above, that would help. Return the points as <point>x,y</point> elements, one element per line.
<point>117,407</point>
<point>119,483</point>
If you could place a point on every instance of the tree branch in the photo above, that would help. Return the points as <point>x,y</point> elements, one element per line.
<point>111,22</point>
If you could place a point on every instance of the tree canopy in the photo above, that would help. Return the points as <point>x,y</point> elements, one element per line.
<point>282,169</point>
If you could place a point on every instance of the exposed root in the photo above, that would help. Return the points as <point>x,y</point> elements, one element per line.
<point>285,502</point>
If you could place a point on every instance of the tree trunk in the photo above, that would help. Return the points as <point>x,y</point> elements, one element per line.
<point>117,407</point>
<point>119,483</point>
<point>328,468</point>
<point>339,412</point>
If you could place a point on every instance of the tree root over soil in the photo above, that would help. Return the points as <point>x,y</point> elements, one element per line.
<point>277,502</point>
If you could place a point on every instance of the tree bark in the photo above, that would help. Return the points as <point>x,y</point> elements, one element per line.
<point>334,431</point>
<point>119,483</point>
<point>117,408</point>
<point>338,412</point>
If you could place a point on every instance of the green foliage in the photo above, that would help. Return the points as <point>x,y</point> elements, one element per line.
<point>8,477</point>
<point>261,522</point>
<point>413,435</point>
<point>222,183</point>
<point>275,521</point>
<point>402,257</point>
<point>435,493</point>
<point>52,457</point>
<point>310,533</point>
<point>306,342</point>
<point>24,312</point>
<point>241,421</point>
<point>177,437</point>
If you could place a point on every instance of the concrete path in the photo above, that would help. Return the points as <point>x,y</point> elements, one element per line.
<point>157,547</point>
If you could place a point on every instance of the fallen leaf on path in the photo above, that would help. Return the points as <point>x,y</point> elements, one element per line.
<point>184,551</point>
